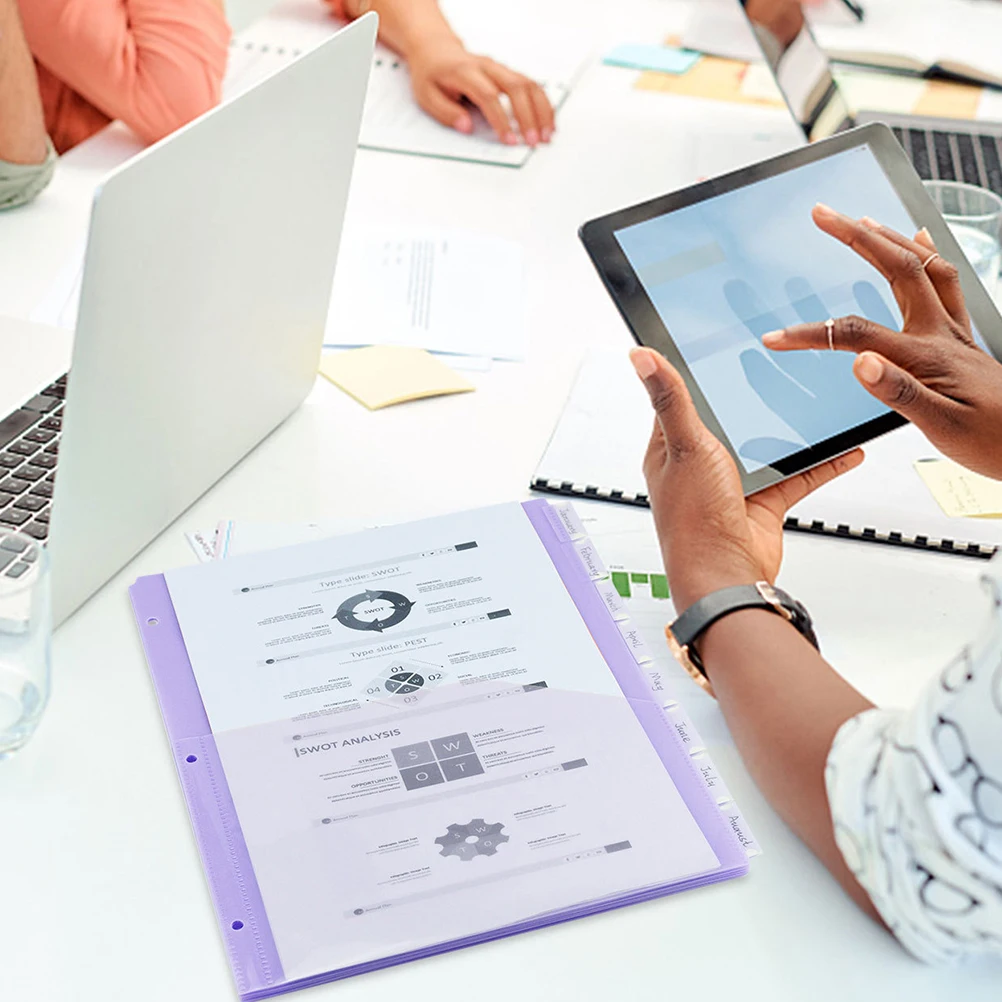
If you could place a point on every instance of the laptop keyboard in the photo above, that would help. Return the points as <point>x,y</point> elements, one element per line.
<point>954,156</point>
<point>29,450</point>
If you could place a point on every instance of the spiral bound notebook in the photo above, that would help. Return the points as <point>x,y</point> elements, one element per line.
<point>597,450</point>
<point>423,737</point>
<point>391,120</point>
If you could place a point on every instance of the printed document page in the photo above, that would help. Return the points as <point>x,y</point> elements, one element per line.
<point>429,289</point>
<point>422,740</point>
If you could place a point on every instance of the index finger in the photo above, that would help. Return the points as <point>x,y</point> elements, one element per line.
<point>903,268</point>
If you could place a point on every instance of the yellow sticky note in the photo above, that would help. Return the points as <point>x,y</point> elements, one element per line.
<point>960,493</point>
<point>384,374</point>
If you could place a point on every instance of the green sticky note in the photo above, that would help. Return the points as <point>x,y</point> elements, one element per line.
<point>659,586</point>
<point>639,578</point>
<point>621,582</point>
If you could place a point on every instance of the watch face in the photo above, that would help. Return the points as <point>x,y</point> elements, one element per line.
<point>681,655</point>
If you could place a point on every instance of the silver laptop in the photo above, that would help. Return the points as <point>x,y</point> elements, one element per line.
<point>206,283</point>
<point>939,148</point>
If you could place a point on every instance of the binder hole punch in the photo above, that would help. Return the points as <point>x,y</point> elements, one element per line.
<point>191,758</point>
<point>237,925</point>
<point>153,621</point>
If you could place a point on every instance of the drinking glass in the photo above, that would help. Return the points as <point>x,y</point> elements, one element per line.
<point>975,217</point>
<point>25,638</point>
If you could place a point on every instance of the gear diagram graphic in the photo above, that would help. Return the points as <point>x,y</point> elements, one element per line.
<point>374,610</point>
<point>471,840</point>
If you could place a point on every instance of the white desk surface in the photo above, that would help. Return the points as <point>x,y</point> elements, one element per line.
<point>102,897</point>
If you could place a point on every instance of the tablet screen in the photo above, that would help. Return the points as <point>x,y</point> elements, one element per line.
<point>724,271</point>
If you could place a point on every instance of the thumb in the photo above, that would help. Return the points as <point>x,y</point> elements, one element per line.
<point>444,109</point>
<point>900,390</point>
<point>673,406</point>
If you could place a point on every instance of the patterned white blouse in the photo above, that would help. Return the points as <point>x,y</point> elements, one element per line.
<point>916,799</point>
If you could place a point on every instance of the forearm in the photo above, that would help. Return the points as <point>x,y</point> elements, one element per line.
<point>22,123</point>
<point>406,25</point>
<point>155,64</point>
<point>784,704</point>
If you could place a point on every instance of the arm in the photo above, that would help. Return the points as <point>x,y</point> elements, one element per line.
<point>155,64</point>
<point>27,159</point>
<point>444,74</point>
<point>783,703</point>
<point>22,125</point>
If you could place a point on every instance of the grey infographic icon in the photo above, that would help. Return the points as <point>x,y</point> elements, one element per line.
<point>403,682</point>
<point>477,838</point>
<point>391,608</point>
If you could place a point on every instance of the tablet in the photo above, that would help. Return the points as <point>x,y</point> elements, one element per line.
<point>702,273</point>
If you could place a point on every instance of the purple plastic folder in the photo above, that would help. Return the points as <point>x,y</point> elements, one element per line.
<point>240,910</point>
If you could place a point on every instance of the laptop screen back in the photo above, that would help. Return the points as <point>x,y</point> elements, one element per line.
<point>801,67</point>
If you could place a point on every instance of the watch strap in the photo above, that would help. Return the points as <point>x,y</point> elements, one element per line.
<point>701,615</point>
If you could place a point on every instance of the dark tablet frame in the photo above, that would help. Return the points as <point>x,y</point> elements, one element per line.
<point>622,283</point>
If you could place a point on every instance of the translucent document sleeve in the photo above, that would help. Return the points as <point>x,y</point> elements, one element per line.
<point>426,735</point>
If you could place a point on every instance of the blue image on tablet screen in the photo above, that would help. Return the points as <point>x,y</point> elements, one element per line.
<point>725,271</point>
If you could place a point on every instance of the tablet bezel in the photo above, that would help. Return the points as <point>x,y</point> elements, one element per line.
<point>623,285</point>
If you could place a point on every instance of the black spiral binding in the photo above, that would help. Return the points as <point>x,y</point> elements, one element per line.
<point>816,528</point>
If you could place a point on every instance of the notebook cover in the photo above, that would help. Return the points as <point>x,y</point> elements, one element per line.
<point>240,910</point>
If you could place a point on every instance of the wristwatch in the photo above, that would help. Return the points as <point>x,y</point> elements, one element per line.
<point>683,633</point>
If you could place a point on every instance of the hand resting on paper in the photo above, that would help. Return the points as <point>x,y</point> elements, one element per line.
<point>448,80</point>
<point>932,372</point>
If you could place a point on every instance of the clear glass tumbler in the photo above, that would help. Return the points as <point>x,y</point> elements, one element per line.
<point>25,638</point>
<point>975,217</point>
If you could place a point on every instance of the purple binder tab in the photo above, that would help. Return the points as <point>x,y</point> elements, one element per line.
<point>240,910</point>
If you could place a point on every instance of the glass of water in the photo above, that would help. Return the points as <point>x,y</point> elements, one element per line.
<point>974,215</point>
<point>25,638</point>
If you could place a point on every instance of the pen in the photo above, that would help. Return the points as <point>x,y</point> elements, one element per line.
<point>857,11</point>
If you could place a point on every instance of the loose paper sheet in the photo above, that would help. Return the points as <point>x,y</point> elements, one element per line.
<point>959,492</point>
<point>381,375</point>
<point>429,288</point>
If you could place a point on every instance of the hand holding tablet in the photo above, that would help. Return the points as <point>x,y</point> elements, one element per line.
<point>704,274</point>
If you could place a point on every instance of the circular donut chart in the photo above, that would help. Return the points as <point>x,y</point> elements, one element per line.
<point>403,682</point>
<point>393,608</point>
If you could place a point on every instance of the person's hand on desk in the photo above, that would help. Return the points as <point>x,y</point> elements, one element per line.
<point>931,372</point>
<point>447,79</point>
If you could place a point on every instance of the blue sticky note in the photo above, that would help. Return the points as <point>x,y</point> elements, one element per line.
<point>662,58</point>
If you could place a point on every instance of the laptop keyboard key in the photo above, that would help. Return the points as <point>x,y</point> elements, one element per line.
<point>45,461</point>
<point>31,473</point>
<point>6,558</point>
<point>40,435</point>
<point>969,169</point>
<point>10,461</point>
<point>42,403</point>
<point>993,165</point>
<point>23,448</point>
<point>37,530</point>
<point>52,423</point>
<point>12,485</point>
<point>14,516</point>
<point>919,153</point>
<point>17,570</point>
<point>41,489</point>
<point>31,502</point>
<point>53,448</point>
<point>13,424</point>
<point>944,157</point>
